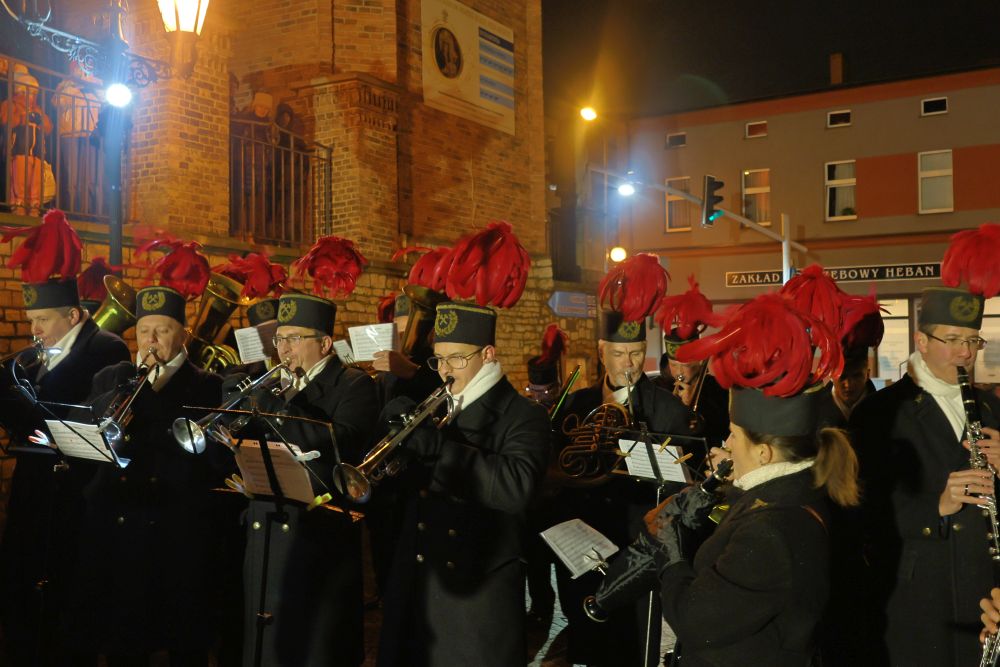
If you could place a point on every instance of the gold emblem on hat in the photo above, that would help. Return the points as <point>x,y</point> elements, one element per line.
<point>445,323</point>
<point>265,310</point>
<point>286,310</point>
<point>672,348</point>
<point>629,330</point>
<point>153,300</point>
<point>964,308</point>
<point>30,296</point>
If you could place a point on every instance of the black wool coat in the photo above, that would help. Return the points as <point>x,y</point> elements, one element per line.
<point>44,507</point>
<point>456,589</point>
<point>758,586</point>
<point>927,572</point>
<point>314,573</point>
<point>148,563</point>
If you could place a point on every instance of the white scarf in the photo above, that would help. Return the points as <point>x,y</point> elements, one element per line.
<point>947,396</point>
<point>159,375</point>
<point>64,345</point>
<point>766,473</point>
<point>481,383</point>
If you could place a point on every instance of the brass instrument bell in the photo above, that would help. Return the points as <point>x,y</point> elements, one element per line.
<point>116,313</point>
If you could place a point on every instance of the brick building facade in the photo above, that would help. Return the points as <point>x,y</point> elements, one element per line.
<point>402,173</point>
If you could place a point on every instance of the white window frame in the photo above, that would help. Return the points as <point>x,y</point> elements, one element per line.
<point>746,130</point>
<point>924,101</point>
<point>676,134</point>
<point>829,115</point>
<point>921,175</point>
<point>753,191</point>
<point>838,183</point>
<point>668,198</point>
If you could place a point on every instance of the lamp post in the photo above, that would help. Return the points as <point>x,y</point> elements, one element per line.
<point>112,62</point>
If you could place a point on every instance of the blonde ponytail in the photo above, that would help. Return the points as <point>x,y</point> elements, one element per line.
<point>836,467</point>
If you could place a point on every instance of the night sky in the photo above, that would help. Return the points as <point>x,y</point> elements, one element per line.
<point>644,57</point>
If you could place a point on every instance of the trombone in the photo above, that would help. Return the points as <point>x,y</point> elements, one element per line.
<point>194,435</point>
<point>356,482</point>
<point>119,412</point>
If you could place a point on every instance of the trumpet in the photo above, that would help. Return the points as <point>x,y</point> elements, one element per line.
<point>356,481</point>
<point>119,413</point>
<point>194,435</point>
<point>42,353</point>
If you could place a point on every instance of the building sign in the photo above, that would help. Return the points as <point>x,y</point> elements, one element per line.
<point>573,304</point>
<point>468,64</point>
<point>843,274</point>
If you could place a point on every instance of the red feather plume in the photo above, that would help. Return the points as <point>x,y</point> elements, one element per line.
<point>403,252</point>
<point>431,269</point>
<point>689,312</point>
<point>816,293</point>
<point>490,265</point>
<point>863,326</point>
<point>259,275</point>
<point>334,264</point>
<point>635,287</point>
<point>183,268</point>
<point>90,283</point>
<point>768,344</point>
<point>386,308</point>
<point>51,250</point>
<point>554,343</point>
<point>971,258</point>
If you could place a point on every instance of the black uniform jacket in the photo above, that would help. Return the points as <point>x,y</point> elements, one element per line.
<point>928,572</point>
<point>758,585</point>
<point>314,581</point>
<point>147,566</point>
<point>456,590</point>
<point>44,508</point>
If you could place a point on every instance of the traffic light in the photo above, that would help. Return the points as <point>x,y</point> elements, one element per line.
<point>709,214</point>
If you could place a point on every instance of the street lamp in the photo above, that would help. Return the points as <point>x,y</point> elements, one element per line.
<point>588,114</point>
<point>111,61</point>
<point>618,254</point>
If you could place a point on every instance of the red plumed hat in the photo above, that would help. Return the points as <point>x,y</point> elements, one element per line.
<point>972,259</point>
<point>768,344</point>
<point>386,308</point>
<point>863,324</point>
<point>634,287</point>
<point>816,293</point>
<point>490,265</point>
<point>183,269</point>
<point>90,283</point>
<point>334,264</point>
<point>50,250</point>
<point>259,275</point>
<point>689,313</point>
<point>431,269</point>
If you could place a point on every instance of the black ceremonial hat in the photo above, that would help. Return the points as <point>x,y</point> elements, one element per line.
<point>465,323</point>
<point>55,293</point>
<point>614,328</point>
<point>262,311</point>
<point>673,340</point>
<point>794,415</point>
<point>160,300</point>
<point>951,306</point>
<point>306,310</point>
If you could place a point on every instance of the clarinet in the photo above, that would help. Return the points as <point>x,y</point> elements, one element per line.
<point>977,461</point>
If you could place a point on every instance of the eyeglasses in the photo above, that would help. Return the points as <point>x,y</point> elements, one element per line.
<point>455,362</point>
<point>954,342</point>
<point>291,340</point>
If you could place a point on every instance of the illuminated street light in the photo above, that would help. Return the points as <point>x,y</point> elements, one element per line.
<point>118,95</point>
<point>618,254</point>
<point>626,189</point>
<point>588,114</point>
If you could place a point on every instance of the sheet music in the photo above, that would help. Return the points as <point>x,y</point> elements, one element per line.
<point>578,545</point>
<point>292,476</point>
<point>250,344</point>
<point>82,441</point>
<point>344,351</point>
<point>371,338</point>
<point>666,458</point>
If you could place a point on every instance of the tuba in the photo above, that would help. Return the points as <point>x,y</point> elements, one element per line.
<point>423,302</point>
<point>211,325</point>
<point>116,313</point>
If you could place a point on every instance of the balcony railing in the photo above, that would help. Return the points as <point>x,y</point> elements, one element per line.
<point>280,184</point>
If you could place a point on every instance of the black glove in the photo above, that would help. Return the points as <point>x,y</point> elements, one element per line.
<point>663,533</point>
<point>425,441</point>
<point>396,408</point>
<point>691,507</point>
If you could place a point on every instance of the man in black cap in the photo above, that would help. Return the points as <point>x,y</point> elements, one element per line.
<point>456,591</point>
<point>847,390</point>
<point>313,558</point>
<point>698,390</point>
<point>615,505</point>
<point>929,557</point>
<point>153,518</point>
<point>43,508</point>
